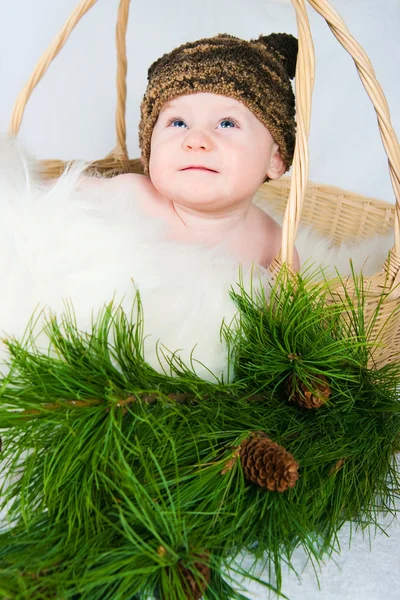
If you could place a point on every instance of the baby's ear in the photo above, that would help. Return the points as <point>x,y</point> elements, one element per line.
<point>276,166</point>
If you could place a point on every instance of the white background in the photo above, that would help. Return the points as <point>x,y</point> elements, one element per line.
<point>71,115</point>
<point>71,112</point>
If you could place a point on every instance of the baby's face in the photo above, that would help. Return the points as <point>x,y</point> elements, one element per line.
<point>219,134</point>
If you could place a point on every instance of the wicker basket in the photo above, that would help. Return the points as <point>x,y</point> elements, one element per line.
<point>336,214</point>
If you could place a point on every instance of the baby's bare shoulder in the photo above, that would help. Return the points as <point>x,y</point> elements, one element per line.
<point>142,190</point>
<point>123,181</point>
<point>264,223</point>
<point>129,179</point>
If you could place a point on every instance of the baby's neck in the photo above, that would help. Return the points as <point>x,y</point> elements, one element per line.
<point>213,222</point>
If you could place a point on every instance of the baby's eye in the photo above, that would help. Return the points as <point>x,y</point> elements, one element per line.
<point>225,123</point>
<point>228,123</point>
<point>178,123</point>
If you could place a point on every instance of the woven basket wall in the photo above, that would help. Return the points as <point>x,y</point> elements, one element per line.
<point>335,213</point>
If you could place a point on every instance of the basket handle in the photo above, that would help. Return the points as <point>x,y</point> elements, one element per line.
<point>304,83</point>
<point>120,151</point>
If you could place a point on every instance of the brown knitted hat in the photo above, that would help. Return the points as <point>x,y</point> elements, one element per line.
<point>256,73</point>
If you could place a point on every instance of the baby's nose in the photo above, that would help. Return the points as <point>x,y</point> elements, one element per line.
<point>196,139</point>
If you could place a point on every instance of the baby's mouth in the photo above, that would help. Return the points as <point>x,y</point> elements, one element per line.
<point>198,168</point>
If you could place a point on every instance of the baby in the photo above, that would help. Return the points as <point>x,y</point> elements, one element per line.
<point>217,120</point>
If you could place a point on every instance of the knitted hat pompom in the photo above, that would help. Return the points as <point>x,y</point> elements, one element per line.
<point>286,45</point>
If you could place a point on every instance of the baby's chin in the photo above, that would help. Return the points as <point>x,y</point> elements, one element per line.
<point>196,195</point>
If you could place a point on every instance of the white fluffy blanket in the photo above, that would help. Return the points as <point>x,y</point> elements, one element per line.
<point>60,243</point>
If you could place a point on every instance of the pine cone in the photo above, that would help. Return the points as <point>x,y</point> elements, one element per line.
<point>300,393</point>
<point>268,464</point>
<point>195,583</point>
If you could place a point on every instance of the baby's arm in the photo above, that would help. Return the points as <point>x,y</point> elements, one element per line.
<point>278,239</point>
<point>270,232</point>
<point>296,258</point>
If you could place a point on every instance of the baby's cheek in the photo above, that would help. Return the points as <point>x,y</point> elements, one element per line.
<point>158,170</point>
<point>245,158</point>
<point>249,172</point>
